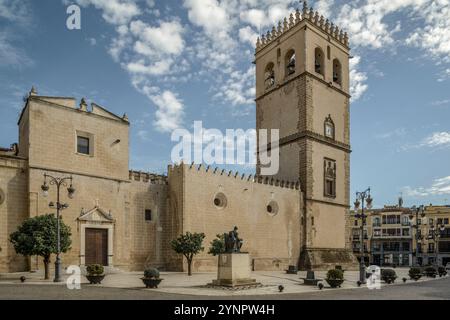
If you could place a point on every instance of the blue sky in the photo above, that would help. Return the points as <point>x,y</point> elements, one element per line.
<point>169,63</point>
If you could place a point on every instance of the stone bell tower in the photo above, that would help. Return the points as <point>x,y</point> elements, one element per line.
<point>302,89</point>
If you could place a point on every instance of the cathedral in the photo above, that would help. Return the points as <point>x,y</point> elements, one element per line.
<point>126,219</point>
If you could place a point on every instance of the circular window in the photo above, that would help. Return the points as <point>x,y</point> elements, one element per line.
<point>2,196</point>
<point>220,200</point>
<point>272,208</point>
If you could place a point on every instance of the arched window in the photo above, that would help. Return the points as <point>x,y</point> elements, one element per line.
<point>290,62</point>
<point>337,71</point>
<point>319,65</point>
<point>269,76</point>
<point>329,127</point>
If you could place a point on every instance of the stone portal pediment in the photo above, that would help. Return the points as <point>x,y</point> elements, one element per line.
<point>96,214</point>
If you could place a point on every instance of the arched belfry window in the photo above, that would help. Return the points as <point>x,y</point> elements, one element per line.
<point>337,71</point>
<point>290,62</point>
<point>319,65</point>
<point>329,127</point>
<point>269,76</point>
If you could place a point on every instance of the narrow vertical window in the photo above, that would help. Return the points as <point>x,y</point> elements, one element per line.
<point>329,178</point>
<point>269,76</point>
<point>319,61</point>
<point>290,62</point>
<point>337,71</point>
<point>148,215</point>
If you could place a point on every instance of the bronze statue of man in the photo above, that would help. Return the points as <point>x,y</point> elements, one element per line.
<point>233,243</point>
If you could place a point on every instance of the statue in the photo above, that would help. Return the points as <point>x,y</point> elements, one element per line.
<point>233,243</point>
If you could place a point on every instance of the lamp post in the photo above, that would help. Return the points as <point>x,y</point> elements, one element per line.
<point>417,210</point>
<point>435,232</point>
<point>58,182</point>
<point>364,200</point>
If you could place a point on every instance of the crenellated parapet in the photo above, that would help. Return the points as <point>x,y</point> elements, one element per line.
<point>229,174</point>
<point>147,177</point>
<point>295,18</point>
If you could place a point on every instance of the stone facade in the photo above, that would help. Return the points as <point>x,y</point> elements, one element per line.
<point>302,83</point>
<point>272,238</point>
<point>297,217</point>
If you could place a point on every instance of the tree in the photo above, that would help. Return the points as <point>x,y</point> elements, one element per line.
<point>37,236</point>
<point>217,245</point>
<point>189,245</point>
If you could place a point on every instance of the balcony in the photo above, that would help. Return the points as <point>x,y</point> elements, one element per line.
<point>375,224</point>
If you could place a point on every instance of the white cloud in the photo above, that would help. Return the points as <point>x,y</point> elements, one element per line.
<point>170,111</point>
<point>11,55</point>
<point>117,12</point>
<point>210,15</point>
<point>358,79</point>
<point>399,132</point>
<point>158,68</point>
<point>437,139</point>
<point>440,102</point>
<point>247,34</point>
<point>92,41</point>
<point>166,38</point>
<point>439,186</point>
<point>255,17</point>
<point>366,21</point>
<point>434,37</point>
<point>324,7</point>
<point>15,11</point>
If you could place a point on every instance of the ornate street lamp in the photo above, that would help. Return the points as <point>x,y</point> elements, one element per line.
<point>436,235</point>
<point>363,200</point>
<point>417,210</point>
<point>58,182</point>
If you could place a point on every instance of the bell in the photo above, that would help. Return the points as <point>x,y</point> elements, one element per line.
<point>317,66</point>
<point>335,77</point>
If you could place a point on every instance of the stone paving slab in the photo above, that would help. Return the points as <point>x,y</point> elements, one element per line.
<point>181,283</point>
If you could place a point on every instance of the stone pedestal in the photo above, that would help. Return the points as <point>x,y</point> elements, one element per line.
<point>326,259</point>
<point>234,271</point>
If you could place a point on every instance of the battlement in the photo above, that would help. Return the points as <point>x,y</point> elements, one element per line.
<point>307,14</point>
<point>147,177</point>
<point>229,174</point>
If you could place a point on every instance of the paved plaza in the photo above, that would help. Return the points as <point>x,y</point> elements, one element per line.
<point>128,285</point>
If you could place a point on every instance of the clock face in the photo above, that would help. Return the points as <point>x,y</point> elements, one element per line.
<point>329,131</point>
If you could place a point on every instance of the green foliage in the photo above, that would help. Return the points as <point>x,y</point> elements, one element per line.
<point>151,273</point>
<point>335,274</point>
<point>95,269</point>
<point>37,236</point>
<point>217,245</point>
<point>415,273</point>
<point>189,245</point>
<point>388,275</point>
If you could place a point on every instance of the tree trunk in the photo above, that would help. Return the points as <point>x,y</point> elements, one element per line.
<point>46,267</point>
<point>189,261</point>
